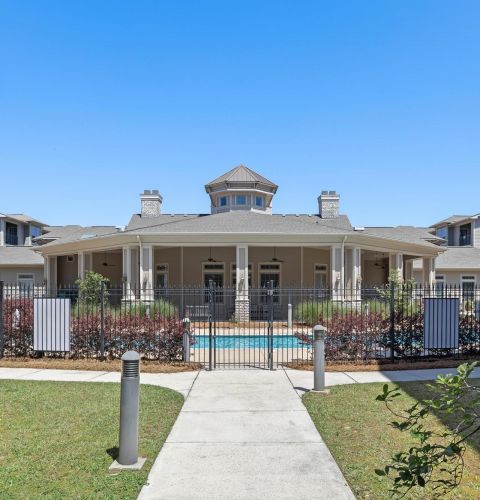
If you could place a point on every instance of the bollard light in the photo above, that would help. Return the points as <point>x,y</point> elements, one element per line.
<point>129,407</point>
<point>319,334</point>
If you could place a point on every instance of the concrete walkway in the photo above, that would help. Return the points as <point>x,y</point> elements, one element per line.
<point>244,435</point>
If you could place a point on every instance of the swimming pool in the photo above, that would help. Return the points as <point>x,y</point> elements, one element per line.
<point>250,342</point>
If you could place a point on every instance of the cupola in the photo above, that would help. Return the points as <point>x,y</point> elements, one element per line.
<point>241,189</point>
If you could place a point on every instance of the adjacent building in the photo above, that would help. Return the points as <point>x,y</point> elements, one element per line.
<point>19,264</point>
<point>459,264</point>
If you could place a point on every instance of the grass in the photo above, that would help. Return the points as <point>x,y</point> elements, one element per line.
<point>95,364</point>
<point>379,365</point>
<point>57,439</point>
<point>355,429</point>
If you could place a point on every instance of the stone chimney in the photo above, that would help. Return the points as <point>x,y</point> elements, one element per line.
<point>328,204</point>
<point>151,203</point>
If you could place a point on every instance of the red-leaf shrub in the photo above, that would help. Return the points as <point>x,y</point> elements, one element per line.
<point>154,337</point>
<point>18,326</point>
<point>352,336</point>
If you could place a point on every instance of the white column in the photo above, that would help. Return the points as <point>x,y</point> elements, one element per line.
<point>337,272</point>
<point>408,270</point>
<point>429,271</point>
<point>81,265</point>
<point>242,303</point>
<point>51,264</point>
<point>356,272</point>
<point>396,264</point>
<point>127,272</point>
<point>146,272</point>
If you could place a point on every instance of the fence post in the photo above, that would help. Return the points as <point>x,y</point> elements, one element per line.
<point>392,321</point>
<point>210,320</point>
<point>1,321</point>
<point>319,333</point>
<point>102,321</point>
<point>270,325</point>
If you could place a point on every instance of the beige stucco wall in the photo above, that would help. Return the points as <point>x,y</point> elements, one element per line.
<point>172,257</point>
<point>67,272</point>
<point>114,269</point>
<point>374,275</point>
<point>9,275</point>
<point>193,257</point>
<point>312,256</point>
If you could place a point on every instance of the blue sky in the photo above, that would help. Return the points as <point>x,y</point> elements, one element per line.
<point>378,100</point>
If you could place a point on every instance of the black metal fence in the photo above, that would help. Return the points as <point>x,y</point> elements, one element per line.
<point>220,327</point>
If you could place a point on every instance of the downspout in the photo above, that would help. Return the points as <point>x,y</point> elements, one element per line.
<point>141,263</point>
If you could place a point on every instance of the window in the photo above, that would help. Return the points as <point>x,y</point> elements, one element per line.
<point>442,232</point>
<point>25,284</point>
<point>320,277</point>
<point>70,258</point>
<point>223,201</point>
<point>258,201</point>
<point>465,235</point>
<point>241,199</point>
<point>234,274</point>
<point>214,273</point>
<point>468,287</point>
<point>439,283</point>
<point>161,276</point>
<point>11,233</point>
<point>270,273</point>
<point>35,231</point>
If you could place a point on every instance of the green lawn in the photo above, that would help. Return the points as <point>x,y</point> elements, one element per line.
<point>57,438</point>
<point>355,428</point>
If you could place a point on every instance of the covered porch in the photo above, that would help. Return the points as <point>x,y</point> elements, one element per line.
<point>141,271</point>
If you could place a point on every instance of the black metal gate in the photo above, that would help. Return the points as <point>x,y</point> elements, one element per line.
<point>264,339</point>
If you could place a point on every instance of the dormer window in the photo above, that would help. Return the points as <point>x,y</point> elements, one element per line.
<point>223,201</point>
<point>258,201</point>
<point>241,199</point>
<point>465,235</point>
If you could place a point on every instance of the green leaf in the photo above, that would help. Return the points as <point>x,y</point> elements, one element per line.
<point>380,472</point>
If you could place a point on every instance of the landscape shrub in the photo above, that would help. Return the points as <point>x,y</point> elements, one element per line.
<point>351,336</point>
<point>18,326</point>
<point>154,337</point>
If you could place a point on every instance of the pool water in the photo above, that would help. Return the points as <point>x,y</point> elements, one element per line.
<point>250,342</point>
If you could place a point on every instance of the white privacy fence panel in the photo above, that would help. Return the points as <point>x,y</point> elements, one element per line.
<point>51,325</point>
<point>441,323</point>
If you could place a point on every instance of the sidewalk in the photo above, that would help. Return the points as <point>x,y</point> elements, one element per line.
<point>180,381</point>
<point>244,435</point>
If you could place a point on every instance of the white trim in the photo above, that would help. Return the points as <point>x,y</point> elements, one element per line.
<point>322,272</point>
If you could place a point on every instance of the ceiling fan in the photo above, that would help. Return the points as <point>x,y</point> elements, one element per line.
<point>105,262</point>
<point>377,264</point>
<point>274,259</point>
<point>210,258</point>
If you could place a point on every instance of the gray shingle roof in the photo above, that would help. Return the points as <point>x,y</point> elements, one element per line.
<point>408,234</point>
<point>19,256</point>
<point>240,222</point>
<point>453,219</point>
<point>456,258</point>
<point>25,218</point>
<point>241,173</point>
<point>74,232</point>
